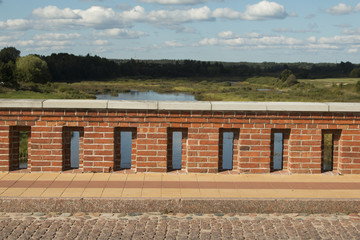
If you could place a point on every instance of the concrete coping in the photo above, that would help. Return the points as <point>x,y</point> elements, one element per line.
<point>179,106</point>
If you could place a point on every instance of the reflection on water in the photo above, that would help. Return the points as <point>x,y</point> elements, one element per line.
<point>150,95</point>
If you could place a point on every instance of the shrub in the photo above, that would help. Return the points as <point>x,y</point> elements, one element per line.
<point>291,80</point>
<point>357,86</point>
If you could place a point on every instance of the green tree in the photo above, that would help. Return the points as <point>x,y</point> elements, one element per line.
<point>355,73</point>
<point>7,75</point>
<point>285,75</point>
<point>31,69</point>
<point>357,86</point>
<point>291,80</point>
<point>9,54</point>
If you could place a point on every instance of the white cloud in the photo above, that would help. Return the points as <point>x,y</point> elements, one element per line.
<point>343,9</point>
<point>119,33</point>
<point>209,41</point>
<point>339,9</point>
<point>258,41</point>
<point>311,39</point>
<point>53,18</point>
<point>174,2</point>
<point>53,43</point>
<point>340,40</point>
<point>165,17</point>
<point>135,14</point>
<point>311,28</point>
<point>173,44</point>
<point>24,43</point>
<point>264,10</point>
<point>16,24</point>
<point>97,17</point>
<point>352,31</point>
<point>10,39</point>
<point>101,42</point>
<point>53,12</point>
<point>57,36</point>
<point>357,8</point>
<point>353,50</point>
<point>227,13</point>
<point>226,34</point>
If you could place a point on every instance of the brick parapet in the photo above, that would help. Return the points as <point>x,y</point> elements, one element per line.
<point>203,121</point>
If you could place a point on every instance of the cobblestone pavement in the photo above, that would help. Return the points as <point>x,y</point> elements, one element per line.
<point>178,226</point>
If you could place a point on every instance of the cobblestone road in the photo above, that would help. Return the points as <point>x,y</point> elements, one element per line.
<point>177,226</point>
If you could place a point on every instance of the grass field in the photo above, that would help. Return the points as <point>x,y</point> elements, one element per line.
<point>328,82</point>
<point>252,89</point>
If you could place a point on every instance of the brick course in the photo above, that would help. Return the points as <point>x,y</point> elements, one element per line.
<point>99,140</point>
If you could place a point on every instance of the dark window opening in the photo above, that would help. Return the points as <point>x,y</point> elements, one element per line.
<point>328,151</point>
<point>19,147</point>
<point>23,149</point>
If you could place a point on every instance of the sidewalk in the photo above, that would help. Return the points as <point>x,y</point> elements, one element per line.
<point>181,187</point>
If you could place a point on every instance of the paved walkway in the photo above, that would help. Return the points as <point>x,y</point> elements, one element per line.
<point>204,186</point>
<point>178,226</point>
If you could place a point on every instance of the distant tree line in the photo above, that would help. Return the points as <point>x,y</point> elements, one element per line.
<point>20,72</point>
<point>68,67</point>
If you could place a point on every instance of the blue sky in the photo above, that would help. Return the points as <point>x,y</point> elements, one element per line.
<point>209,30</point>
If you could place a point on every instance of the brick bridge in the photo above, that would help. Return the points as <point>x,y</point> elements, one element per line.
<point>201,137</point>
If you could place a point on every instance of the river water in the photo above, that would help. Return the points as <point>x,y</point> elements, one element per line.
<point>148,96</point>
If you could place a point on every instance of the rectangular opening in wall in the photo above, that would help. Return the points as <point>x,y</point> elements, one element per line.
<point>125,149</point>
<point>279,149</point>
<point>72,148</point>
<point>23,149</point>
<point>176,151</point>
<point>330,150</point>
<point>227,148</point>
<point>124,145</point>
<point>19,147</point>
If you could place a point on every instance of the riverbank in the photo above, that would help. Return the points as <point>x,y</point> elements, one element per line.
<point>252,89</point>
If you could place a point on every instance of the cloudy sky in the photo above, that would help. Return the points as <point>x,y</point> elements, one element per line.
<point>210,30</point>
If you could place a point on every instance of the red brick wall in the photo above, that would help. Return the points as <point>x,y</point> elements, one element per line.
<point>201,141</point>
